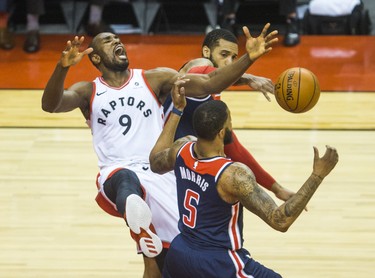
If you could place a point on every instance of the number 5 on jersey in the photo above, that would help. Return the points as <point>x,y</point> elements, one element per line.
<point>190,203</point>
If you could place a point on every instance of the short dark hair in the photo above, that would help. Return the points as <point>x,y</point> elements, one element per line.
<point>212,38</point>
<point>209,118</point>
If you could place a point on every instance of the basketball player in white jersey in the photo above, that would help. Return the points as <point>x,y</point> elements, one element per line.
<point>123,109</point>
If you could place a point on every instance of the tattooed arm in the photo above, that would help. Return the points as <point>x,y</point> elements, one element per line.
<point>163,161</point>
<point>238,183</point>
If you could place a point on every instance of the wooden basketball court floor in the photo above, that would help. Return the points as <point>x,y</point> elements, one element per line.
<point>50,225</point>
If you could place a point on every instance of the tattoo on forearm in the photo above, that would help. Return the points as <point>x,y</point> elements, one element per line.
<point>161,161</point>
<point>255,199</point>
<point>251,195</point>
<point>295,205</point>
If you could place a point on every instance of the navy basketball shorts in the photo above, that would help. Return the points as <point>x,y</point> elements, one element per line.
<point>186,261</point>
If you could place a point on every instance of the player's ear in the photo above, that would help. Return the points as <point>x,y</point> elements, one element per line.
<point>206,52</point>
<point>221,134</point>
<point>95,59</point>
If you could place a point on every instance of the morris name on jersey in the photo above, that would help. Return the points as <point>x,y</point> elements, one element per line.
<point>187,174</point>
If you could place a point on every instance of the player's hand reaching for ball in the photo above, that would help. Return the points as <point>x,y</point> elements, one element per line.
<point>262,84</point>
<point>324,165</point>
<point>257,47</point>
<point>71,55</point>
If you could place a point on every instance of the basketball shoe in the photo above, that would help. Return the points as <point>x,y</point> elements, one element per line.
<point>138,217</point>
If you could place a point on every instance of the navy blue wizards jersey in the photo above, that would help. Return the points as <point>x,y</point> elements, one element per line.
<point>185,127</point>
<point>205,219</point>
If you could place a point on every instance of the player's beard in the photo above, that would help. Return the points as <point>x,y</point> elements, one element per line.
<point>116,65</point>
<point>228,136</point>
<point>213,61</point>
<point>119,66</point>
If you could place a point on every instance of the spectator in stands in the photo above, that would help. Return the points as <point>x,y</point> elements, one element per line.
<point>6,37</point>
<point>35,8</point>
<point>333,7</point>
<point>337,17</point>
<point>288,8</point>
<point>227,15</point>
<point>95,24</point>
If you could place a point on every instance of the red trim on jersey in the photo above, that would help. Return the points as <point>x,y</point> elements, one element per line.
<point>92,97</point>
<point>103,201</point>
<point>97,181</point>
<point>149,87</point>
<point>202,69</point>
<point>205,166</point>
<point>131,73</point>
<point>166,245</point>
<point>205,70</point>
<point>109,176</point>
<point>106,204</point>
<point>239,264</point>
<point>233,227</point>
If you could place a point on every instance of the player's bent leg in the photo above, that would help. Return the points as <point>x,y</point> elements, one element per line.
<point>124,189</point>
<point>161,196</point>
<point>122,183</point>
<point>138,217</point>
<point>151,268</point>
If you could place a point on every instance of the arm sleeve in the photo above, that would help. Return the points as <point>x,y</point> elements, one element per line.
<point>239,153</point>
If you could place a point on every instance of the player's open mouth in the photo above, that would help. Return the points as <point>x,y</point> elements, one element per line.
<point>120,52</point>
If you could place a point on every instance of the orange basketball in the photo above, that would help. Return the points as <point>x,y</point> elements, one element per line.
<point>297,90</point>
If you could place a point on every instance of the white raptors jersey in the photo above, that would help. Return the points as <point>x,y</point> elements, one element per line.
<point>125,122</point>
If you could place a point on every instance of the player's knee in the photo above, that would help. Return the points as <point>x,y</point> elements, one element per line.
<point>128,180</point>
<point>122,184</point>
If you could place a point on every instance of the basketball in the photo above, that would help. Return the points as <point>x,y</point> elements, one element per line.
<point>297,90</point>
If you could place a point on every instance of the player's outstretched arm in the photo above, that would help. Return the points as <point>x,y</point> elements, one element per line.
<point>258,83</point>
<point>238,183</point>
<point>52,99</point>
<point>222,78</point>
<point>256,47</point>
